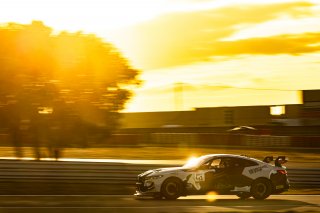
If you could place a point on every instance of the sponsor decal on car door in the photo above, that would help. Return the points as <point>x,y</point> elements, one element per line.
<point>256,171</point>
<point>197,178</point>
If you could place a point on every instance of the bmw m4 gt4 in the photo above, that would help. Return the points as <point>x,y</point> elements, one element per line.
<point>221,173</point>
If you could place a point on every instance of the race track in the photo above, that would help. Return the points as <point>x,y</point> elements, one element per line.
<point>119,203</point>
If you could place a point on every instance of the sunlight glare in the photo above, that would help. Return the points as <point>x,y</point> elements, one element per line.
<point>211,196</point>
<point>87,15</point>
<point>192,161</point>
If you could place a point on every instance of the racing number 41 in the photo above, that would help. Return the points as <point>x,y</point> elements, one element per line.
<point>200,177</point>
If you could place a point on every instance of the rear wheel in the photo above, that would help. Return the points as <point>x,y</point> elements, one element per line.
<point>171,189</point>
<point>244,195</point>
<point>261,189</point>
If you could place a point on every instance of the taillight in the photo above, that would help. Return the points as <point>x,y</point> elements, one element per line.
<point>283,172</point>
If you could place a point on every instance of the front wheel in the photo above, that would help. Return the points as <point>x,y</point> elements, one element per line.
<point>171,189</point>
<point>261,189</point>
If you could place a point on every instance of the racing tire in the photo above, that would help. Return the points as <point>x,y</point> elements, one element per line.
<point>171,188</point>
<point>261,189</point>
<point>244,195</point>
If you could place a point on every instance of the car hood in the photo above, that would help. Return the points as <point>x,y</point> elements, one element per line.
<point>168,170</point>
<point>159,171</point>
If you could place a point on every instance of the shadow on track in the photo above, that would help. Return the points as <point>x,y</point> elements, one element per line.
<point>236,204</point>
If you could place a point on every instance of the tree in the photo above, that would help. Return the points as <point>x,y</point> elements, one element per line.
<point>60,85</point>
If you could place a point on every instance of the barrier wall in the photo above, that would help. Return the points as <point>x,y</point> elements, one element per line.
<point>267,141</point>
<point>212,139</point>
<point>174,139</point>
<point>309,141</point>
<point>195,139</point>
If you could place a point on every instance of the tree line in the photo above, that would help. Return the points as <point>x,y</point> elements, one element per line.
<point>60,89</point>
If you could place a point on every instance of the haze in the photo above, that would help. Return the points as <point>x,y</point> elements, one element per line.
<point>211,52</point>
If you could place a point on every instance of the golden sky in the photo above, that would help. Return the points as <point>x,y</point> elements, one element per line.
<point>214,52</point>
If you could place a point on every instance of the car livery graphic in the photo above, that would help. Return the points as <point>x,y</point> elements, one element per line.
<point>222,173</point>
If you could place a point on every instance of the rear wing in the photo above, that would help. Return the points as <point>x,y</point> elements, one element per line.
<point>278,162</point>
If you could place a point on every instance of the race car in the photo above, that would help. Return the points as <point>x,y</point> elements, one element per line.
<point>220,173</point>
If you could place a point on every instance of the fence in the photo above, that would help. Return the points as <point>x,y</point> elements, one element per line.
<point>195,140</point>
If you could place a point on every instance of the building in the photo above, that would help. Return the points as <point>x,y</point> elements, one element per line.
<point>311,108</point>
<point>285,119</point>
<point>213,117</point>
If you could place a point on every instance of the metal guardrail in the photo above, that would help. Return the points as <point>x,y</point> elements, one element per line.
<point>70,172</point>
<point>15,171</point>
<point>304,178</point>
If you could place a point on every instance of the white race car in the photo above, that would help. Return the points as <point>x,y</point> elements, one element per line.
<point>221,173</point>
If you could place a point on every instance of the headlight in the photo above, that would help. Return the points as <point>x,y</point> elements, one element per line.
<point>154,177</point>
<point>148,183</point>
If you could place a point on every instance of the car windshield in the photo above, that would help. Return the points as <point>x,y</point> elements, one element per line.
<point>194,163</point>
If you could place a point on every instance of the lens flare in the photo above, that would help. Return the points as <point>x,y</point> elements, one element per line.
<point>192,161</point>
<point>211,196</point>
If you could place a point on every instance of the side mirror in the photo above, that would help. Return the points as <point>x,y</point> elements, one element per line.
<point>203,167</point>
<point>268,159</point>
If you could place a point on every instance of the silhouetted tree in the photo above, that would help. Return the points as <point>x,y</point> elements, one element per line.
<point>68,88</point>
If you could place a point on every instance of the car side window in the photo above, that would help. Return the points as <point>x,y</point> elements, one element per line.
<point>226,163</point>
<point>215,163</point>
<point>205,165</point>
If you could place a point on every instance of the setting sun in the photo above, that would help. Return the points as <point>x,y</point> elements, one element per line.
<point>93,16</point>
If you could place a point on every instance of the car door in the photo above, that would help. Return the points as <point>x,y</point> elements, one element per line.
<point>214,175</point>
<point>235,176</point>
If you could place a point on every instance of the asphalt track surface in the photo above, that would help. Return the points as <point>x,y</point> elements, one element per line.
<point>119,203</point>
